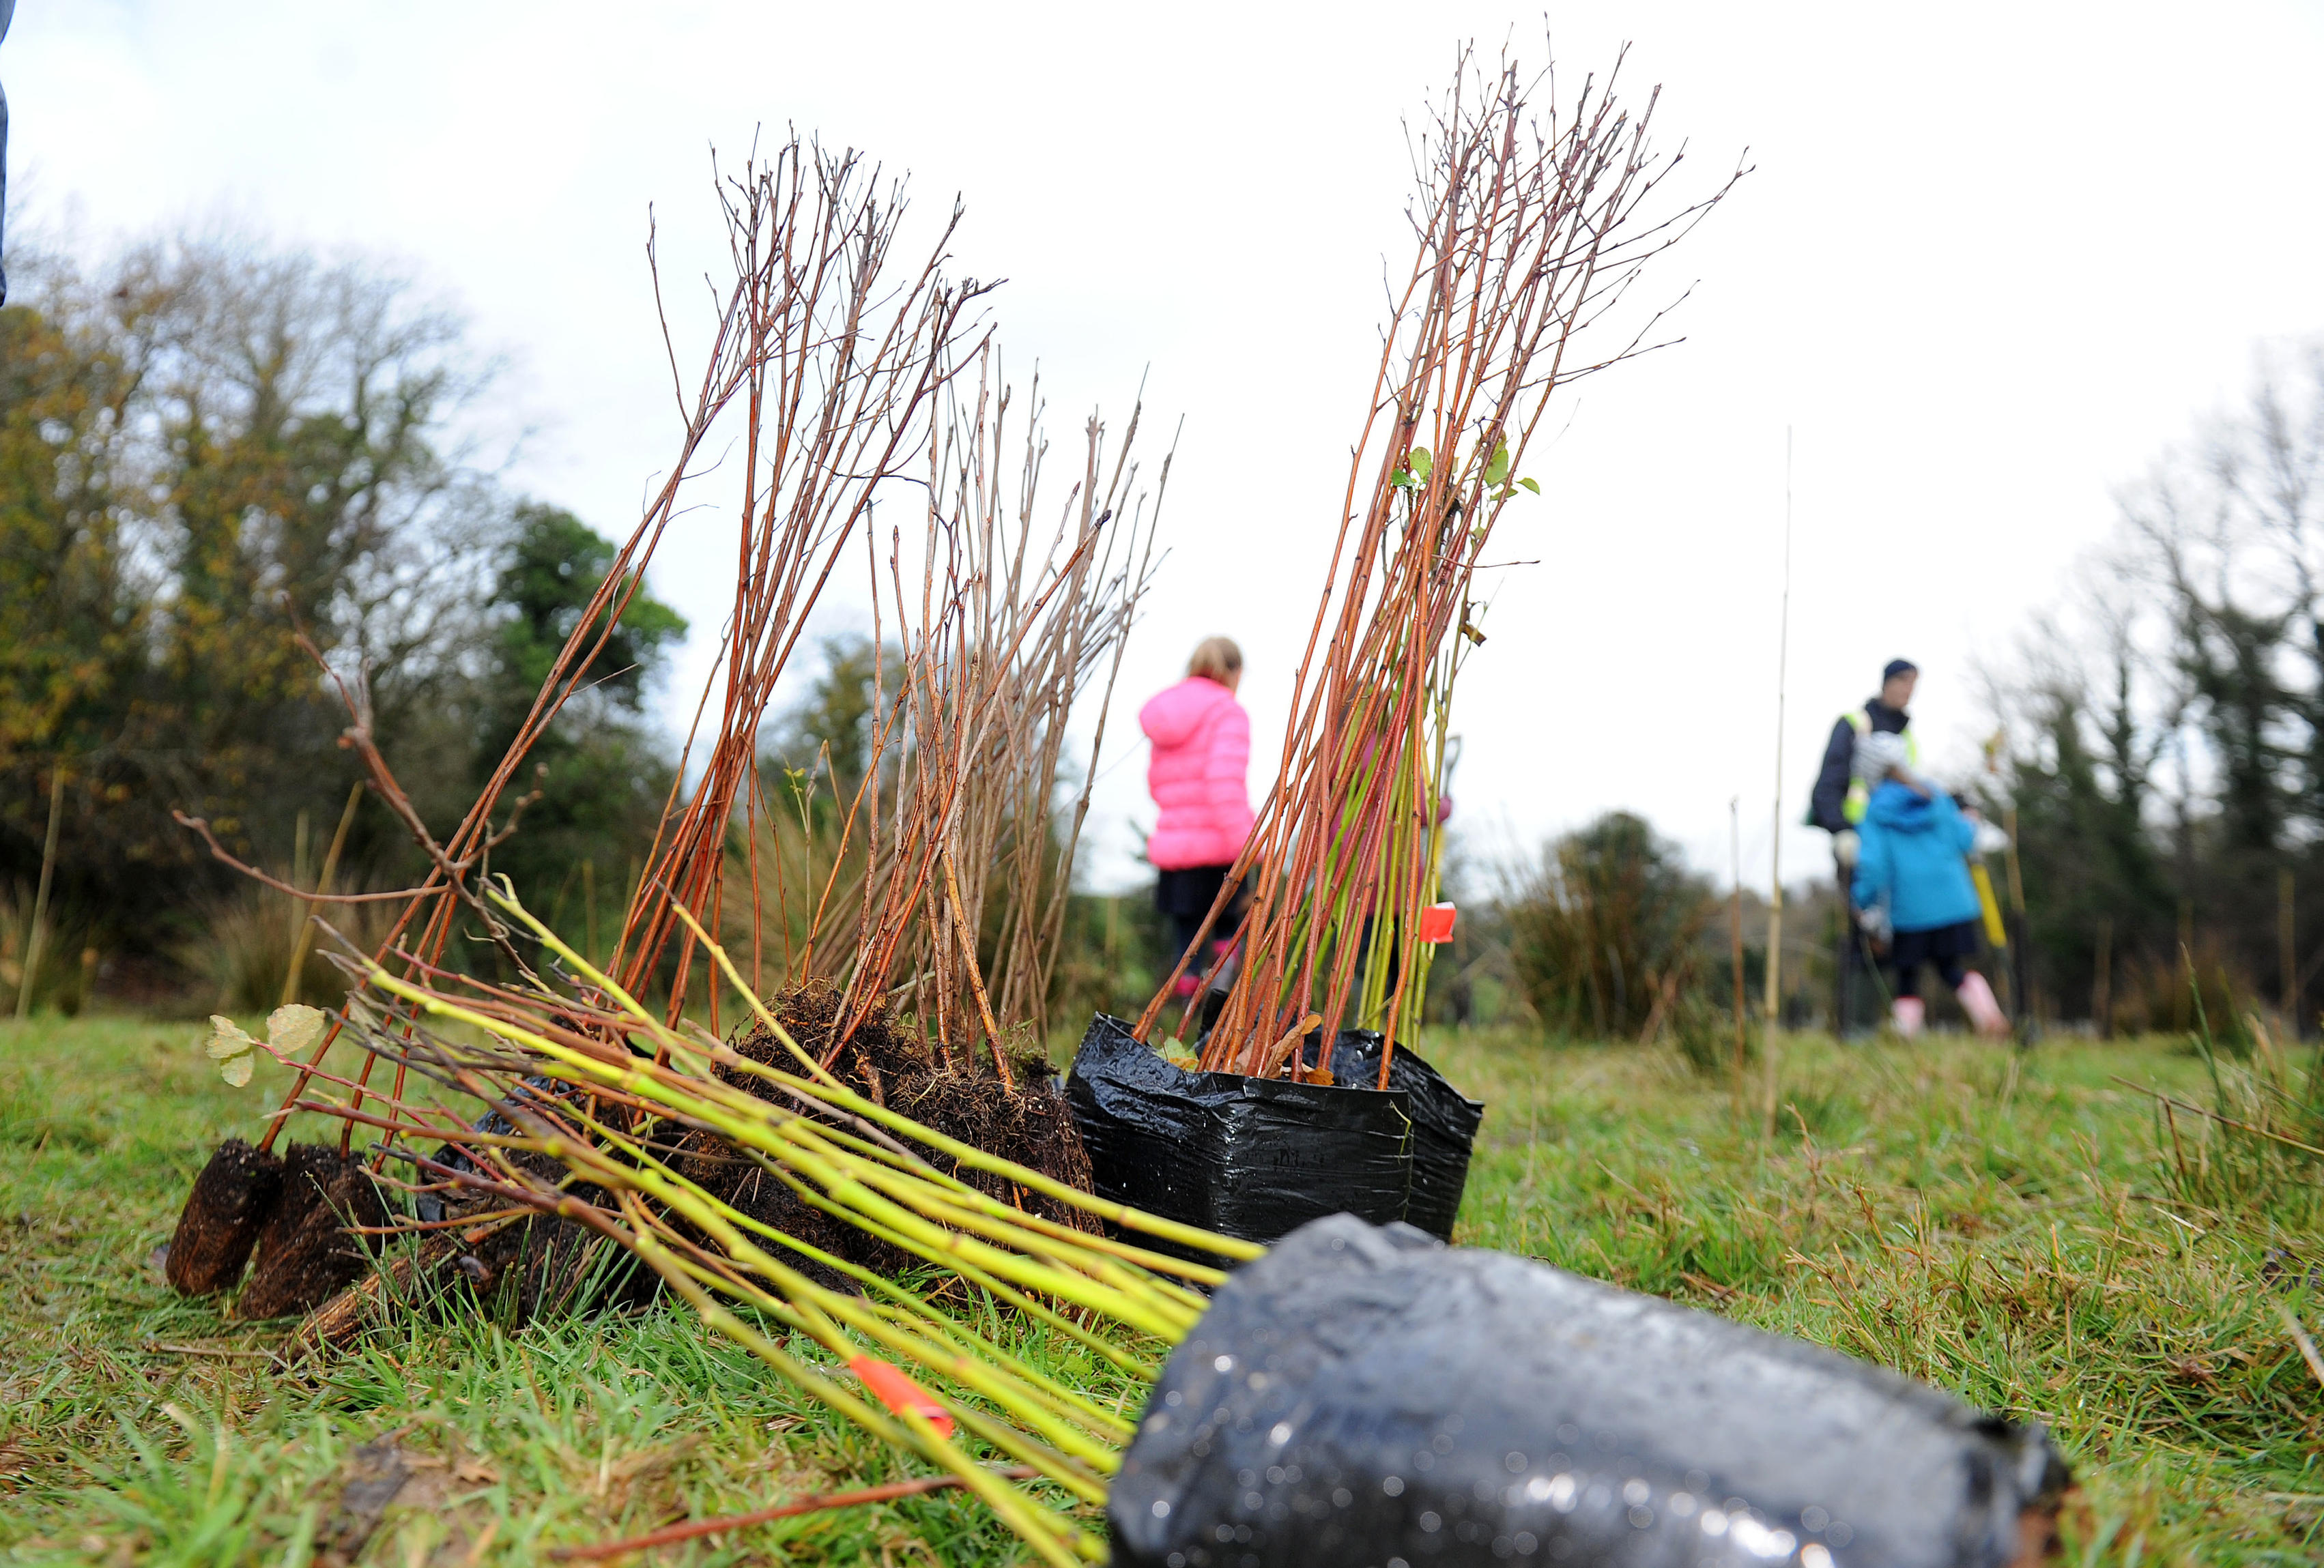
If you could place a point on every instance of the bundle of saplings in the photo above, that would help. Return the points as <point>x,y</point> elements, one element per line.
<point>1533,215</point>
<point>905,917</point>
<point>1354,1394</point>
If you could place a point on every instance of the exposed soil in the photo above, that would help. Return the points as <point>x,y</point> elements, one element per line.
<point>231,1198</point>
<point>306,1254</point>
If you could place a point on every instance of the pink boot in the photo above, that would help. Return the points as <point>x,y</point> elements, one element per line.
<point>1909,1012</point>
<point>1977,998</point>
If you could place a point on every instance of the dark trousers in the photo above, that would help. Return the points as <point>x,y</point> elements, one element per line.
<point>1857,999</point>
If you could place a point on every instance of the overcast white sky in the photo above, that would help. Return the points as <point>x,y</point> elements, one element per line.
<point>1993,258</point>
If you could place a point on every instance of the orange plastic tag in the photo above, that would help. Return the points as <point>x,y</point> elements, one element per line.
<point>1437,924</point>
<point>892,1388</point>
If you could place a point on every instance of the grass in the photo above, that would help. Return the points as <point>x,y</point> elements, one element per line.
<point>2021,1230</point>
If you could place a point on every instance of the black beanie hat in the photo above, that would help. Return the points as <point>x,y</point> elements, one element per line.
<point>1897,667</point>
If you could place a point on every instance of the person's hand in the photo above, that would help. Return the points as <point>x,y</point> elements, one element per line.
<point>1875,923</point>
<point>1845,845</point>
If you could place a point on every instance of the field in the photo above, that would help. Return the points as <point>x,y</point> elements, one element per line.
<point>2026,1229</point>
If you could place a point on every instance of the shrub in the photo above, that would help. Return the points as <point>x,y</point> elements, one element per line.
<point>1603,928</point>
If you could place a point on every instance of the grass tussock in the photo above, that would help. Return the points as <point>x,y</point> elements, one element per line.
<point>2021,1230</point>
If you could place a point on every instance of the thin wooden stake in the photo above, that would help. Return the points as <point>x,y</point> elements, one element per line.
<point>1735,930</point>
<point>1772,1026</point>
<point>2102,982</point>
<point>306,936</point>
<point>41,898</point>
<point>2287,956</point>
<point>589,908</point>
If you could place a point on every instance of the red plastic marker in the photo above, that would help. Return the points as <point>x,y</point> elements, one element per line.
<point>1437,924</point>
<point>892,1388</point>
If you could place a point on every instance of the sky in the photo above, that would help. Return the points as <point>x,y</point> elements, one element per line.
<point>1988,264</point>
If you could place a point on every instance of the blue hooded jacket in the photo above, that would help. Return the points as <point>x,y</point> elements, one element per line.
<point>1912,858</point>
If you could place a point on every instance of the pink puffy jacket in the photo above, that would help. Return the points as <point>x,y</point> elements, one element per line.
<point>1202,748</point>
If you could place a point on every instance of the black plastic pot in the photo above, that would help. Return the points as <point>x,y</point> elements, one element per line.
<point>1367,1395</point>
<point>1251,1158</point>
<point>1444,1124</point>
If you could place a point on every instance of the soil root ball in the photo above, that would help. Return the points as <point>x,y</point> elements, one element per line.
<point>231,1202</point>
<point>892,1065</point>
<point>525,1269</point>
<point>306,1253</point>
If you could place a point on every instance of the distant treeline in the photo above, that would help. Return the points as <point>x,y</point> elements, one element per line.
<point>208,449</point>
<point>2162,737</point>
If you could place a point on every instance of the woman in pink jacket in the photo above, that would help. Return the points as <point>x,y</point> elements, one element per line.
<point>1201,741</point>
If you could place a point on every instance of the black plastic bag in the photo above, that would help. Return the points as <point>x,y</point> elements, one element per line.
<point>1444,1124</point>
<point>1366,1396</point>
<point>1251,1158</point>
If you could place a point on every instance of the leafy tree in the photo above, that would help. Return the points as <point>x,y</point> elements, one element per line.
<point>208,449</point>
<point>605,778</point>
<point>554,566</point>
<point>76,624</point>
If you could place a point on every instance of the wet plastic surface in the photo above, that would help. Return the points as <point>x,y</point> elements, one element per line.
<point>1251,1158</point>
<point>1444,1124</point>
<point>1365,1396</point>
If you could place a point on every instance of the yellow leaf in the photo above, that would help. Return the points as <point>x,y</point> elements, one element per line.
<point>294,1028</point>
<point>228,1039</point>
<point>236,1071</point>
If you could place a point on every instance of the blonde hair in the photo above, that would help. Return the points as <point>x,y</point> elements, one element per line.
<point>1216,659</point>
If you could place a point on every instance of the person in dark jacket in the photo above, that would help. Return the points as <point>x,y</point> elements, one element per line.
<point>1913,887</point>
<point>1838,804</point>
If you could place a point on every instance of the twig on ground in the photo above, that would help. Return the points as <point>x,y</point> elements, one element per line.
<point>671,1534</point>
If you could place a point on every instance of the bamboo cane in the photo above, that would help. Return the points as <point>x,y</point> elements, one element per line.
<point>298,947</point>
<point>33,940</point>
<point>1771,1026</point>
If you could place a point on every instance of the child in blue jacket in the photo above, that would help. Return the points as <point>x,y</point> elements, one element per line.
<point>1911,877</point>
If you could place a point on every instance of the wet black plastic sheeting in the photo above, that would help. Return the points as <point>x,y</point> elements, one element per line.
<point>1444,1124</point>
<point>1364,1396</point>
<point>1251,1158</point>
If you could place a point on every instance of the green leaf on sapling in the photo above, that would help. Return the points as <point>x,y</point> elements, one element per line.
<point>1531,485</point>
<point>1497,469</point>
